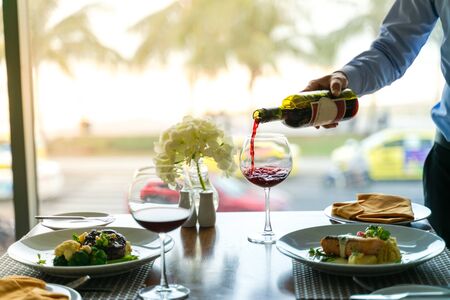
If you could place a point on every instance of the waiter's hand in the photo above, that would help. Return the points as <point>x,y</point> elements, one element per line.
<point>335,82</point>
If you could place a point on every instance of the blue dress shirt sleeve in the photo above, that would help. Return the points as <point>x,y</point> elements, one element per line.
<point>404,31</point>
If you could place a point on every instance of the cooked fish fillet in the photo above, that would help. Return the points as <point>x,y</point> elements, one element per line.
<point>334,245</point>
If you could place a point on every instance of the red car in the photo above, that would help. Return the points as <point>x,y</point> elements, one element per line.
<point>240,195</point>
<point>234,195</point>
<point>159,190</point>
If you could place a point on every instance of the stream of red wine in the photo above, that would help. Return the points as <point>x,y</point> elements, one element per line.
<point>252,144</point>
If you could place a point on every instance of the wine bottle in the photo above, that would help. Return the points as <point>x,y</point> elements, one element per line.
<point>315,108</point>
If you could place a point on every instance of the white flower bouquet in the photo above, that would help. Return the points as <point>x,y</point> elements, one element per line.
<point>189,141</point>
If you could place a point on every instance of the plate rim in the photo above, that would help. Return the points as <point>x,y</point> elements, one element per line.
<point>382,291</point>
<point>110,218</point>
<point>72,292</point>
<point>74,271</point>
<point>343,269</point>
<point>329,215</point>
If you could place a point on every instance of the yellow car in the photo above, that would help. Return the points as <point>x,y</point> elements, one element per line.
<point>391,154</point>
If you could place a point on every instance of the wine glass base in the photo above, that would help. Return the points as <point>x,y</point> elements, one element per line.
<point>262,238</point>
<point>175,291</point>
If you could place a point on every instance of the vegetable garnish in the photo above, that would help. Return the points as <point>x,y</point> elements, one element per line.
<point>40,261</point>
<point>76,238</point>
<point>102,240</point>
<point>318,254</point>
<point>128,257</point>
<point>377,231</point>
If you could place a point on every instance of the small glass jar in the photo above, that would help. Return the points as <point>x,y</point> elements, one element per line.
<point>196,184</point>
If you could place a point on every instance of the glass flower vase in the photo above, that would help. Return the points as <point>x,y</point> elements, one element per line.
<point>196,185</point>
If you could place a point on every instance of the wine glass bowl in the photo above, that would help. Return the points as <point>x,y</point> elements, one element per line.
<point>154,205</point>
<point>265,160</point>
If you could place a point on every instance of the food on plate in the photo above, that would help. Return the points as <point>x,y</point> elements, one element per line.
<point>373,246</point>
<point>96,247</point>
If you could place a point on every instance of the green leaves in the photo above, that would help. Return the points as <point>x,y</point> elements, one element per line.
<point>377,231</point>
<point>318,254</point>
<point>40,260</point>
<point>123,259</point>
<point>76,238</point>
<point>102,240</point>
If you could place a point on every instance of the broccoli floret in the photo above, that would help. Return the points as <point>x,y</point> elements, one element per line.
<point>79,258</point>
<point>98,256</point>
<point>60,261</point>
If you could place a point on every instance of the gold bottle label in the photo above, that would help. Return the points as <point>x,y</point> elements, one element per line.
<point>327,111</point>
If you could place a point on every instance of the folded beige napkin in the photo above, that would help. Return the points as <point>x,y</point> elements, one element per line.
<point>375,208</point>
<point>26,288</point>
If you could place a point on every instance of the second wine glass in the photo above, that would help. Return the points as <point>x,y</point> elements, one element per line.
<point>154,206</point>
<point>265,161</point>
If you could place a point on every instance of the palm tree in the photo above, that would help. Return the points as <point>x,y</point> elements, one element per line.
<point>69,38</point>
<point>325,48</point>
<point>64,41</point>
<point>213,34</point>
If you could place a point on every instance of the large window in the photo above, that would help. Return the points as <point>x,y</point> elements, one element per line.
<point>6,178</point>
<point>110,76</point>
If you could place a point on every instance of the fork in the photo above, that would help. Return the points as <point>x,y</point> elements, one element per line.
<point>78,282</point>
<point>81,218</point>
<point>399,296</point>
<point>369,288</point>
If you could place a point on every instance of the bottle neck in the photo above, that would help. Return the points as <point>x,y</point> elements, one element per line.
<point>264,115</point>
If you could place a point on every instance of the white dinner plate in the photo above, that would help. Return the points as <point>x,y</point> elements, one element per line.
<point>420,213</point>
<point>65,290</point>
<point>144,244</point>
<point>417,246</point>
<point>404,288</point>
<point>105,219</point>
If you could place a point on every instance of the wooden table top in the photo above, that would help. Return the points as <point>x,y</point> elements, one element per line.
<point>219,262</point>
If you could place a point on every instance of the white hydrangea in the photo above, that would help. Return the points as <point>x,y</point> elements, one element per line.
<point>190,140</point>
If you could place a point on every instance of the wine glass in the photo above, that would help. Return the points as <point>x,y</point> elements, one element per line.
<point>265,160</point>
<point>154,205</point>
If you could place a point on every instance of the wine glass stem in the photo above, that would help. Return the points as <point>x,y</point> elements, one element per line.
<point>267,226</point>
<point>163,282</point>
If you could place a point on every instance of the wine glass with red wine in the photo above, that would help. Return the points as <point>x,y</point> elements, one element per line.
<point>154,205</point>
<point>265,161</point>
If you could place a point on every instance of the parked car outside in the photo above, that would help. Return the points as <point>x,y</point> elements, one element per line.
<point>391,154</point>
<point>234,195</point>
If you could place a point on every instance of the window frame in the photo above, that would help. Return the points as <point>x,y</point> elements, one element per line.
<point>20,93</point>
